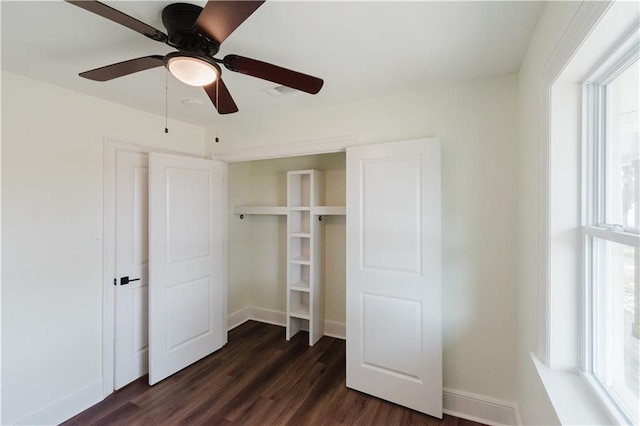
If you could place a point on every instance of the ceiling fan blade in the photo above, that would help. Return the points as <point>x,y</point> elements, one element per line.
<point>219,19</point>
<point>221,98</point>
<point>114,15</point>
<point>276,74</point>
<point>121,69</point>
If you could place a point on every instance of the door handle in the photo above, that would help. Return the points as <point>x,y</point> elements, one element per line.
<point>126,280</point>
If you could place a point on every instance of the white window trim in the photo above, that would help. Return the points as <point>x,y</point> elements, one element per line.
<point>586,18</point>
<point>572,393</point>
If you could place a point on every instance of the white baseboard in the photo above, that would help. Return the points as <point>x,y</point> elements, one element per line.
<point>238,318</point>
<point>268,316</point>
<point>480,408</point>
<point>331,328</point>
<point>64,408</point>
<point>335,329</point>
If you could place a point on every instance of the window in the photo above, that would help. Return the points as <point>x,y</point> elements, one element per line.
<point>611,228</point>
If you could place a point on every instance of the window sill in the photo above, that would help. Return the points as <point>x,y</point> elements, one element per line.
<point>573,398</point>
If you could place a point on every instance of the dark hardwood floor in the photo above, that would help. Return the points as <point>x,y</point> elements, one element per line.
<point>258,378</point>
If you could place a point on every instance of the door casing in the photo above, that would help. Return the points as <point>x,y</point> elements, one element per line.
<point>111,146</point>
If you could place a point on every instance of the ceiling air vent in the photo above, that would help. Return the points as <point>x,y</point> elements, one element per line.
<point>279,91</point>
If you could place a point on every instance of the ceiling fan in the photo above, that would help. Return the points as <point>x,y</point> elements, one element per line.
<point>197,33</point>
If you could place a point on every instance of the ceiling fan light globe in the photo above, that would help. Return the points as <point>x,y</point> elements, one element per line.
<point>192,71</point>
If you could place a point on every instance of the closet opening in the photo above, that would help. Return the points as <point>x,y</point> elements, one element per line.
<point>288,252</point>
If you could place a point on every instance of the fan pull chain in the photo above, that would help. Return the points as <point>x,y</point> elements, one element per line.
<point>166,101</point>
<point>217,103</point>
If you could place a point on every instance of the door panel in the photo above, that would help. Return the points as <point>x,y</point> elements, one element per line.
<point>188,311</point>
<point>131,315</point>
<point>383,346</point>
<point>188,218</point>
<point>391,232</point>
<point>394,337</point>
<point>187,293</point>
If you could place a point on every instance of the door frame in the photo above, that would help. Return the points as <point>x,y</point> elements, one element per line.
<point>111,148</point>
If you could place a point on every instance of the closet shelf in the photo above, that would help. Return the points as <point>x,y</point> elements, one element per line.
<point>300,234</point>
<point>329,210</point>
<point>282,210</point>
<point>274,210</point>
<point>300,260</point>
<point>300,311</point>
<point>300,286</point>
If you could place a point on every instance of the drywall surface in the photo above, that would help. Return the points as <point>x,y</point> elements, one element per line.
<point>533,401</point>
<point>257,243</point>
<point>477,123</point>
<point>239,234</point>
<point>52,223</point>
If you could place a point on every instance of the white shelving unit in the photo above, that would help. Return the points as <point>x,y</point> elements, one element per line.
<point>305,293</point>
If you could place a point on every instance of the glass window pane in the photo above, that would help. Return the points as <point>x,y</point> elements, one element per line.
<point>616,319</point>
<point>622,149</point>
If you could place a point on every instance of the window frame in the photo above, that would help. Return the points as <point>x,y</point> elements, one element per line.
<point>594,226</point>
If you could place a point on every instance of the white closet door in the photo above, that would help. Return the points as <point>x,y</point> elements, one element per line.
<point>394,332</point>
<point>131,261</point>
<point>187,272</point>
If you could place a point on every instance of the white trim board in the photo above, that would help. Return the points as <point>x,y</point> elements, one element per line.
<point>268,316</point>
<point>465,405</point>
<point>64,408</point>
<point>586,17</point>
<point>480,408</point>
<point>335,329</point>
<point>324,146</point>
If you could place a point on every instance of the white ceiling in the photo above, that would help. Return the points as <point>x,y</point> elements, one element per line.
<point>361,50</point>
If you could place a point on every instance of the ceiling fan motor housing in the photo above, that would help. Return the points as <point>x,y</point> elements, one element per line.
<point>179,19</point>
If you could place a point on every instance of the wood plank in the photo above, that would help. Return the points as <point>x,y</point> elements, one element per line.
<point>257,378</point>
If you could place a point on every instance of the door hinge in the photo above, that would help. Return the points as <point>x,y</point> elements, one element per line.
<point>115,281</point>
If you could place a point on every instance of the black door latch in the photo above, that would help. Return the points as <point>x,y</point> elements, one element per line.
<point>126,280</point>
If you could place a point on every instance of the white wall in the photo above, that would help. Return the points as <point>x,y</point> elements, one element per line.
<point>52,222</point>
<point>240,272</point>
<point>534,403</point>
<point>477,122</point>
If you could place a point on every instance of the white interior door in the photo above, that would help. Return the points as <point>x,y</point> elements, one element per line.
<point>131,262</point>
<point>187,274</point>
<point>394,335</point>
